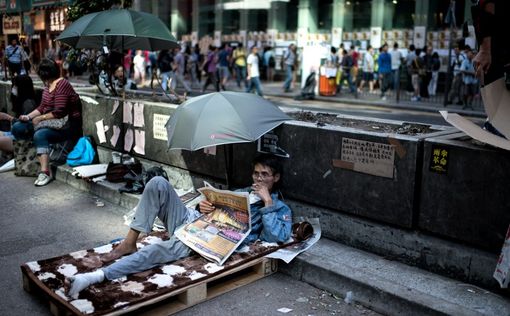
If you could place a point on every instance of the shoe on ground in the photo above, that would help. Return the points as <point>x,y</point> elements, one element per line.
<point>383,98</point>
<point>414,99</point>
<point>42,179</point>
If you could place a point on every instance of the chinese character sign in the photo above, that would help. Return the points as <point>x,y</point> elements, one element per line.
<point>439,159</point>
<point>368,157</point>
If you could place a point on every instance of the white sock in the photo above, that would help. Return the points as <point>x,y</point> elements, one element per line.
<point>81,281</point>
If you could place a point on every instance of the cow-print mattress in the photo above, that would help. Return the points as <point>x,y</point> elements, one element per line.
<point>109,296</point>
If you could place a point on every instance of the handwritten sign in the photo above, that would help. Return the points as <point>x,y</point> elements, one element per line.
<point>367,157</point>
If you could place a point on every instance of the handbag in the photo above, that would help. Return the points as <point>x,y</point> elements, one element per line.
<point>25,158</point>
<point>116,172</point>
<point>83,153</point>
<point>57,123</point>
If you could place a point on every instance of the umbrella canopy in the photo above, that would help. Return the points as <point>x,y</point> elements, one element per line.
<point>222,118</point>
<point>119,29</point>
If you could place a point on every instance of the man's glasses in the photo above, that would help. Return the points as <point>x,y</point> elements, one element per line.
<point>263,175</point>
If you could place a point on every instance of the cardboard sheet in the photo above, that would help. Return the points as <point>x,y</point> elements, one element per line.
<point>474,130</point>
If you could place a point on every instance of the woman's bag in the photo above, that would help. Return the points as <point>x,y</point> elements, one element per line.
<point>83,153</point>
<point>25,158</point>
<point>57,123</point>
<point>116,172</point>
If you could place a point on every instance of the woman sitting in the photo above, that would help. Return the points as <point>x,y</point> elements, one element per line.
<point>23,102</point>
<point>61,107</point>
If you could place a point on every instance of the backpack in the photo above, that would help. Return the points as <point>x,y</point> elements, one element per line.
<point>83,153</point>
<point>271,62</point>
<point>165,63</point>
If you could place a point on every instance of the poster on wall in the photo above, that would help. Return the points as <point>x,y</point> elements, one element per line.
<point>375,36</point>
<point>336,36</point>
<point>302,37</point>
<point>419,36</point>
<point>217,38</point>
<point>11,25</point>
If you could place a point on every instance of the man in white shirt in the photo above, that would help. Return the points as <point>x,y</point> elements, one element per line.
<point>396,61</point>
<point>253,71</point>
<point>368,70</point>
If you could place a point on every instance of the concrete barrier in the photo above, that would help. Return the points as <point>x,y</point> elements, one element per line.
<point>470,200</point>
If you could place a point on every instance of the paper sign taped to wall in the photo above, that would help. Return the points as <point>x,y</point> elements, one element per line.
<point>101,131</point>
<point>367,157</point>
<point>128,140</point>
<point>127,115</point>
<point>139,142</point>
<point>115,136</point>
<point>138,120</point>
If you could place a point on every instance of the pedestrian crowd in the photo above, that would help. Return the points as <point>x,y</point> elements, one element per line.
<point>380,70</point>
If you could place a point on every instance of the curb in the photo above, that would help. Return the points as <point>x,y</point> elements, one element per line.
<point>385,286</point>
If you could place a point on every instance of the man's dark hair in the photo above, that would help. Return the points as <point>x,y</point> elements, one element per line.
<point>48,70</point>
<point>412,48</point>
<point>395,45</point>
<point>273,163</point>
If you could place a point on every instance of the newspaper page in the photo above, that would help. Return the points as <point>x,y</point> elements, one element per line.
<point>290,252</point>
<point>217,234</point>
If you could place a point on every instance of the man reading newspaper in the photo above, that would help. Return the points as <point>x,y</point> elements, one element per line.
<point>271,221</point>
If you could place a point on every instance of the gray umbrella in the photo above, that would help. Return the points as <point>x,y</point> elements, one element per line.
<point>119,29</point>
<point>222,118</point>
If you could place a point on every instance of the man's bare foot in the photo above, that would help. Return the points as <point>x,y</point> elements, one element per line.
<point>121,250</point>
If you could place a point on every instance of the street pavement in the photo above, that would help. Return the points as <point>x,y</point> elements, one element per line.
<point>57,219</point>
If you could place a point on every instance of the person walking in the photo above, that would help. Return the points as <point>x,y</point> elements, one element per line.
<point>347,65</point>
<point>368,70</point>
<point>194,67</point>
<point>436,64</point>
<point>13,57</point>
<point>468,78</point>
<point>269,63</point>
<point>178,72</point>
<point>253,71</point>
<point>223,62</point>
<point>165,63</point>
<point>385,70</point>
<point>210,67</point>
<point>239,57</point>
<point>289,61</point>
<point>456,87</point>
<point>411,55</point>
<point>139,68</point>
<point>396,61</point>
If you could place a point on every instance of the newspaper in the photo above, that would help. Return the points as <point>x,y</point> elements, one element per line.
<point>217,234</point>
<point>289,253</point>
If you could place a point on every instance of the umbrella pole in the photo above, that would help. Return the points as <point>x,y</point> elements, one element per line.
<point>229,157</point>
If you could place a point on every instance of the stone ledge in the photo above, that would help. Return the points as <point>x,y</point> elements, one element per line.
<point>390,287</point>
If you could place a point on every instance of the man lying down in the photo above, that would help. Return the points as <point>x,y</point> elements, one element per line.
<point>271,221</point>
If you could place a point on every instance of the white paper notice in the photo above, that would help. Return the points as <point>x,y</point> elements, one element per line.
<point>138,115</point>
<point>369,157</point>
<point>127,113</point>
<point>100,130</point>
<point>128,140</point>
<point>210,150</point>
<point>139,142</point>
<point>115,106</point>
<point>115,136</point>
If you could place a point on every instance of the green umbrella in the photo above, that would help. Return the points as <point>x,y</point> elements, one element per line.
<point>222,118</point>
<point>119,29</point>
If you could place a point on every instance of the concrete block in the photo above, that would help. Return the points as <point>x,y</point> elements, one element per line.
<point>310,175</point>
<point>469,202</point>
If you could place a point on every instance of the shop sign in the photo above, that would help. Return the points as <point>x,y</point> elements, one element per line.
<point>57,20</point>
<point>39,23</point>
<point>11,25</point>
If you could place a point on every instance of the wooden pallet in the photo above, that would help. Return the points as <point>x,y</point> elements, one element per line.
<point>178,299</point>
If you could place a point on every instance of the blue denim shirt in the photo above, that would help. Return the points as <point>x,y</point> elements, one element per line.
<point>272,223</point>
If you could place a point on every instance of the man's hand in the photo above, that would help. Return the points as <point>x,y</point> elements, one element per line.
<point>24,118</point>
<point>206,207</point>
<point>482,62</point>
<point>5,116</point>
<point>262,191</point>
